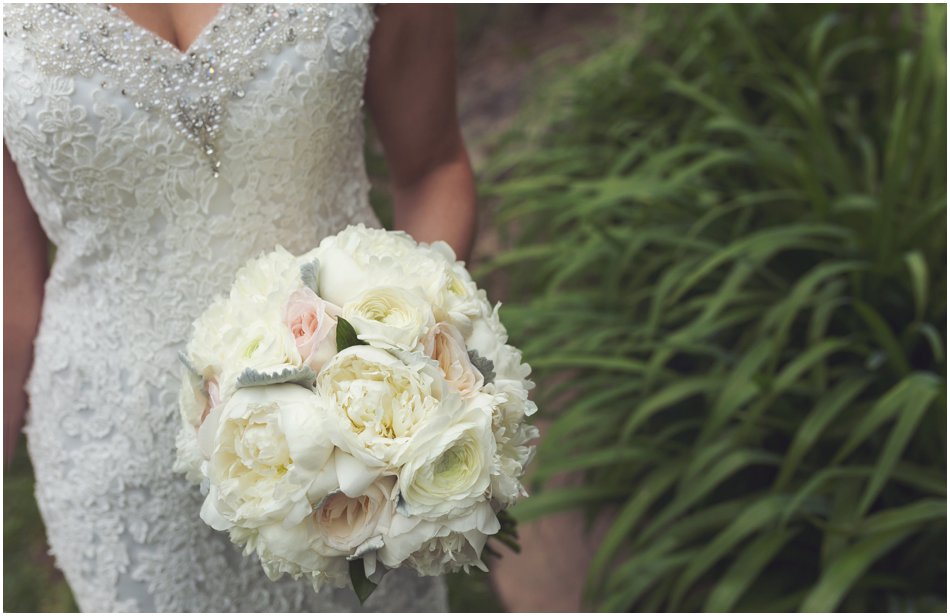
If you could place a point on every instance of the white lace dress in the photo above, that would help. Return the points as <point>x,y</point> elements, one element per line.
<point>157,174</point>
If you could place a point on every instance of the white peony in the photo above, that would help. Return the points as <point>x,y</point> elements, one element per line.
<point>290,551</point>
<point>390,317</point>
<point>359,258</point>
<point>270,278</point>
<point>513,436</point>
<point>377,404</point>
<point>437,546</point>
<point>269,459</point>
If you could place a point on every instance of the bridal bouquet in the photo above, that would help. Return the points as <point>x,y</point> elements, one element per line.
<point>354,410</point>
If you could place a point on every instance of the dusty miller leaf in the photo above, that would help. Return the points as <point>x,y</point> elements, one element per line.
<point>309,274</point>
<point>299,376</point>
<point>484,365</point>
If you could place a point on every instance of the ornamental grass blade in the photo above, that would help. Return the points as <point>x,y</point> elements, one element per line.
<point>893,402</point>
<point>759,514</point>
<point>648,491</point>
<point>693,491</point>
<point>810,431</point>
<point>918,514</point>
<point>917,266</point>
<point>744,570</point>
<point>850,564</point>
<point>897,440</point>
<point>884,335</point>
<point>553,501</point>
<point>665,398</point>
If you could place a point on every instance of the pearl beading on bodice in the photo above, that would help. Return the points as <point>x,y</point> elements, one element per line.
<point>190,88</point>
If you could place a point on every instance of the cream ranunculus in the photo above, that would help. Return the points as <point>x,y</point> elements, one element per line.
<point>390,317</point>
<point>270,458</point>
<point>448,468</point>
<point>312,321</point>
<point>446,346</point>
<point>378,404</point>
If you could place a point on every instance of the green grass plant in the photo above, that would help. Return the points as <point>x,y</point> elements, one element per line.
<point>727,266</point>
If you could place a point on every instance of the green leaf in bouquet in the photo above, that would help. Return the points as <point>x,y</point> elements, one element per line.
<point>508,533</point>
<point>309,274</point>
<point>484,365</point>
<point>361,584</point>
<point>345,335</point>
<point>304,377</point>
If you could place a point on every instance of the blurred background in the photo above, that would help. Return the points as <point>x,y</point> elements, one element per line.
<point>719,235</point>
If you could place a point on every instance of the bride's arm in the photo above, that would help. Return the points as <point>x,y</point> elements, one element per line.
<point>410,94</point>
<point>25,268</point>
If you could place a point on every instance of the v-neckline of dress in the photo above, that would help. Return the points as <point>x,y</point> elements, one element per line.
<point>120,14</point>
<point>191,88</point>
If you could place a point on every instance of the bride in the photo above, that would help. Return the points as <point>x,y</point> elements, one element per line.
<point>159,147</point>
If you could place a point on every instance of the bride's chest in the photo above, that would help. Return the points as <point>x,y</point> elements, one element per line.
<point>83,80</point>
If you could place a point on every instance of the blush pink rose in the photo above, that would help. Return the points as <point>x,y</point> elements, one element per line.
<point>213,400</point>
<point>312,321</point>
<point>446,346</point>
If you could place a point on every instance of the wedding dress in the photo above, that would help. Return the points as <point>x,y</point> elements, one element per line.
<point>157,173</point>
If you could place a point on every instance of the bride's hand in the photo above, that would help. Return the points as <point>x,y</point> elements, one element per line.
<point>410,94</point>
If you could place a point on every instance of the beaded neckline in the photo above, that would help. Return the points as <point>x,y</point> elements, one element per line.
<point>124,17</point>
<point>192,88</point>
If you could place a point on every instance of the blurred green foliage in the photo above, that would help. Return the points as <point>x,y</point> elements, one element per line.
<point>30,584</point>
<point>728,269</point>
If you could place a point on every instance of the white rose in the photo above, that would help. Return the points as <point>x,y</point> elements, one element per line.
<point>447,469</point>
<point>447,347</point>
<point>433,547</point>
<point>390,317</point>
<point>353,525</point>
<point>378,404</point>
<point>268,278</point>
<point>270,458</point>
<point>312,322</point>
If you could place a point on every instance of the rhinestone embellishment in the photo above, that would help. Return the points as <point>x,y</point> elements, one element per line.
<point>192,88</point>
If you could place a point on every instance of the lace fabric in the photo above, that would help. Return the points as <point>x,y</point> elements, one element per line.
<point>146,236</point>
